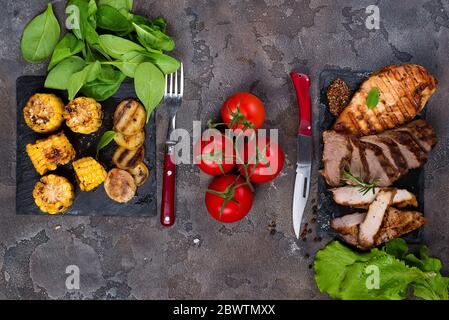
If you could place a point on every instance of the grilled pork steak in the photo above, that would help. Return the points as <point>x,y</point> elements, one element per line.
<point>395,223</point>
<point>374,217</point>
<point>403,92</point>
<point>337,152</point>
<point>384,157</point>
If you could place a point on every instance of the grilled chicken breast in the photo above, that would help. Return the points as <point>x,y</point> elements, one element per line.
<point>384,157</point>
<point>352,197</point>
<point>403,92</point>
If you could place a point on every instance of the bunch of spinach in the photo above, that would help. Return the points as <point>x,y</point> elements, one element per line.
<point>106,44</point>
<point>347,274</point>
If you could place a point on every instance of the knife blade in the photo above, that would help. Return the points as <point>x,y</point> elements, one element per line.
<point>301,83</point>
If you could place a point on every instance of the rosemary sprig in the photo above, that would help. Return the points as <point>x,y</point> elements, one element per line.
<point>364,187</point>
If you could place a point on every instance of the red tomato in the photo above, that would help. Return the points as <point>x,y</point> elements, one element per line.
<point>236,191</point>
<point>215,159</point>
<point>264,162</point>
<point>243,110</point>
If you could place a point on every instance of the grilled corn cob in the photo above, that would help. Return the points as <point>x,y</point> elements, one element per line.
<point>46,154</point>
<point>89,173</point>
<point>43,112</point>
<point>53,194</point>
<point>83,115</point>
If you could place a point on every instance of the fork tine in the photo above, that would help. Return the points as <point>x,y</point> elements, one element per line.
<point>166,84</point>
<point>176,83</point>
<point>171,84</point>
<point>182,81</point>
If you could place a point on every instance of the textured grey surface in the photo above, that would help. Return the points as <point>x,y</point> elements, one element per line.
<point>226,46</point>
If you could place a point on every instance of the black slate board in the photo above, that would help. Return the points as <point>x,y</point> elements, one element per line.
<point>94,202</point>
<point>326,207</point>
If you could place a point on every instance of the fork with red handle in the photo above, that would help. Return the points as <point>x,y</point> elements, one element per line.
<point>174,87</point>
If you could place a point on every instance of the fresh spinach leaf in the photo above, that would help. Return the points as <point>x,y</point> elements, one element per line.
<point>83,19</point>
<point>372,99</point>
<point>129,62</point>
<point>105,85</point>
<point>164,62</point>
<point>80,78</point>
<point>40,36</point>
<point>67,47</point>
<point>58,77</point>
<point>101,90</point>
<point>105,139</point>
<point>110,18</point>
<point>149,84</point>
<point>160,23</point>
<point>124,6</point>
<point>153,38</point>
<point>116,47</point>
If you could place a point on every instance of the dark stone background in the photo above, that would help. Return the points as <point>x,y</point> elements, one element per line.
<point>226,46</point>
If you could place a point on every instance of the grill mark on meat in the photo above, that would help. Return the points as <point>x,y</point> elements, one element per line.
<point>399,104</point>
<point>385,164</point>
<point>412,152</point>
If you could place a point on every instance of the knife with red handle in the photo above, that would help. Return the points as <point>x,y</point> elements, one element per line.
<point>301,83</point>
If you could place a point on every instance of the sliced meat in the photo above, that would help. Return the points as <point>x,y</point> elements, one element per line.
<point>358,164</point>
<point>391,151</point>
<point>380,168</point>
<point>411,151</point>
<point>397,223</point>
<point>352,197</point>
<point>336,155</point>
<point>348,224</point>
<point>422,132</point>
<point>374,217</point>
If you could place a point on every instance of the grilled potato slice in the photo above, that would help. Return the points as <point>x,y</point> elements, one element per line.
<point>130,142</point>
<point>120,185</point>
<point>129,117</point>
<point>43,112</point>
<point>83,115</point>
<point>53,194</point>
<point>140,174</point>
<point>403,92</point>
<point>127,159</point>
<point>89,173</point>
<point>47,154</point>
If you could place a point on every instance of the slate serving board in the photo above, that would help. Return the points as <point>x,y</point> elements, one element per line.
<point>94,202</point>
<point>326,207</point>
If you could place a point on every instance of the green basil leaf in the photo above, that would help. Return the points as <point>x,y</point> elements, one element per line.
<point>40,36</point>
<point>105,139</point>
<point>372,99</point>
<point>116,47</point>
<point>58,77</point>
<point>67,47</point>
<point>149,84</point>
<point>110,18</point>
<point>153,38</point>
<point>77,80</point>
